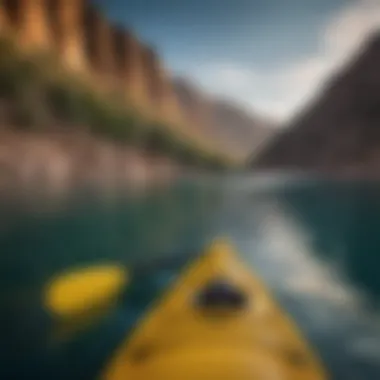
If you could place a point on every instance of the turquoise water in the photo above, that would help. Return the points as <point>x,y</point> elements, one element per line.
<point>315,243</point>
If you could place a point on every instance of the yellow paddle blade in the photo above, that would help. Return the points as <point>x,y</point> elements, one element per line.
<point>85,291</point>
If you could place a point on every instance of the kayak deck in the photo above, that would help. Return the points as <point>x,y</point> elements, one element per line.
<point>218,321</point>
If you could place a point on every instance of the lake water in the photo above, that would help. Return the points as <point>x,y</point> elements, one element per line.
<point>315,243</point>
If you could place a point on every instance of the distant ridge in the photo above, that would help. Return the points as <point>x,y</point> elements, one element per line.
<point>341,129</point>
<point>227,123</point>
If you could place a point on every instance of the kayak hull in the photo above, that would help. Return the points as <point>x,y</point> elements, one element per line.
<point>218,321</point>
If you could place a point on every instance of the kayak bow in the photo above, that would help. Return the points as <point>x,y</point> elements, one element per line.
<point>217,322</point>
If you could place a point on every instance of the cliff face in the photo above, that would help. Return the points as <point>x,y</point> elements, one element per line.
<point>341,130</point>
<point>111,59</point>
<point>231,127</point>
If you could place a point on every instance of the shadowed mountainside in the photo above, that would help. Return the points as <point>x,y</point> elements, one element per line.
<point>341,129</point>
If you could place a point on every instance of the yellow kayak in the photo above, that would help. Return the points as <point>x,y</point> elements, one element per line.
<point>218,322</point>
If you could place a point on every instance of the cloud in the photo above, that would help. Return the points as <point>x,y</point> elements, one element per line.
<point>351,27</point>
<point>281,93</point>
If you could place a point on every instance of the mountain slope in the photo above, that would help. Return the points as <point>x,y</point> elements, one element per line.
<point>341,129</point>
<point>221,121</point>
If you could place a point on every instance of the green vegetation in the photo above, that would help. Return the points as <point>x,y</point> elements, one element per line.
<point>40,93</point>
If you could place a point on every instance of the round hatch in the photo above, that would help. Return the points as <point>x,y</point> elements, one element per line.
<point>220,294</point>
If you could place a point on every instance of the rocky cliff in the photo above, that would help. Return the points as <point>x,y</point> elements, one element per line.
<point>112,61</point>
<point>84,103</point>
<point>110,57</point>
<point>339,131</point>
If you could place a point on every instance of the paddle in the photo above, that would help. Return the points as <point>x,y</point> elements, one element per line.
<point>81,296</point>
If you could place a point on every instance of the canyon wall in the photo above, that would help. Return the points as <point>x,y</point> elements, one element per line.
<point>111,57</point>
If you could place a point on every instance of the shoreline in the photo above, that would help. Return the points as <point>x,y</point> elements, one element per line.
<point>60,162</point>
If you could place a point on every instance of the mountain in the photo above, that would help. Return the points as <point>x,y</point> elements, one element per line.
<point>341,129</point>
<point>221,120</point>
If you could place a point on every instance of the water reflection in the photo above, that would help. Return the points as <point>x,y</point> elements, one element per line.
<point>344,219</point>
<point>308,241</point>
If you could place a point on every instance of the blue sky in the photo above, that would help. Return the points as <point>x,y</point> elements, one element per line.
<point>268,55</point>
